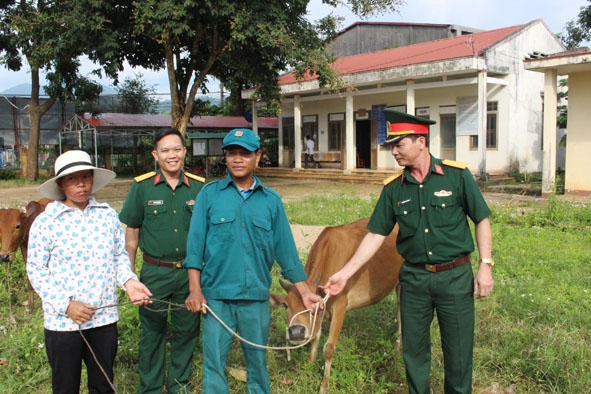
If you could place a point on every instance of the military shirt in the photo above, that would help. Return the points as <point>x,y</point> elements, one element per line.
<point>432,215</point>
<point>162,214</point>
<point>235,240</point>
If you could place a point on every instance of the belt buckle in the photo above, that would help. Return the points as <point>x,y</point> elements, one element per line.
<point>177,265</point>
<point>431,267</point>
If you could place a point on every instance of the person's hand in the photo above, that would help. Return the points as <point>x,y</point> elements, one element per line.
<point>138,293</point>
<point>196,302</point>
<point>483,281</point>
<point>312,301</point>
<point>80,312</point>
<point>336,283</point>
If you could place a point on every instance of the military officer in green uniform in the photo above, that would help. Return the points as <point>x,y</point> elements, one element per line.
<point>431,201</point>
<point>157,213</point>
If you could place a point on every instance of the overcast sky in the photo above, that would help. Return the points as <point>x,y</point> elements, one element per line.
<point>479,14</point>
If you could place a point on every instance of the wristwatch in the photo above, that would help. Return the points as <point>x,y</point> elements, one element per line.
<point>487,261</point>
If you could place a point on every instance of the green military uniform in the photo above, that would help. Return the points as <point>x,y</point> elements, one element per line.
<point>163,216</point>
<point>432,216</point>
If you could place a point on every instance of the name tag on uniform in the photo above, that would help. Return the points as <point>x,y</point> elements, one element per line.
<point>443,193</point>
<point>155,202</point>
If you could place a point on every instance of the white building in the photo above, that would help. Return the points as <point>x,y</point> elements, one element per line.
<point>475,86</point>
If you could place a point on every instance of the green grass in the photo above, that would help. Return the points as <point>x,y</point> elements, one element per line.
<point>532,335</point>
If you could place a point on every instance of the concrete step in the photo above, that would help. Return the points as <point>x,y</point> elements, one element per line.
<point>335,175</point>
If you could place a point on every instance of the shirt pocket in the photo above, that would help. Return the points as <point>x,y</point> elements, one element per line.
<point>407,216</point>
<point>221,227</point>
<point>444,211</point>
<point>262,234</point>
<point>155,216</point>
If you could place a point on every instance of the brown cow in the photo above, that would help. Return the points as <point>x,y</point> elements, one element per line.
<point>14,232</point>
<point>374,281</point>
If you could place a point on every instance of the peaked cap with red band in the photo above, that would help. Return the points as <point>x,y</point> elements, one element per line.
<point>400,125</point>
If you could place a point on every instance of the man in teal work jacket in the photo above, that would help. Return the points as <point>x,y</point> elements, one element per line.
<point>238,230</point>
<point>430,200</point>
<point>157,213</point>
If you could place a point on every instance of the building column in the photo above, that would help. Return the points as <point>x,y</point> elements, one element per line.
<point>297,129</point>
<point>549,133</point>
<point>255,116</point>
<point>410,97</point>
<point>350,160</point>
<point>482,109</point>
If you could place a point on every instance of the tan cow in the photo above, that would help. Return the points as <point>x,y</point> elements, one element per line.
<point>373,282</point>
<point>14,233</point>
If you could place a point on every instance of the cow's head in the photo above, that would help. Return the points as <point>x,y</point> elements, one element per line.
<point>12,230</point>
<point>299,324</point>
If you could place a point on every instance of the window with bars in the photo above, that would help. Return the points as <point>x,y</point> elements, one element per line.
<point>491,127</point>
<point>336,129</point>
<point>288,133</point>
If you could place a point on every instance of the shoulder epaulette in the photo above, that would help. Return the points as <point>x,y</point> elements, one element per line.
<point>392,178</point>
<point>455,164</point>
<point>196,177</point>
<point>143,177</point>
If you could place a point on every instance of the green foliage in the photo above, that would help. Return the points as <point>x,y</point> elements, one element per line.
<point>322,211</point>
<point>9,174</point>
<point>243,44</point>
<point>577,31</point>
<point>135,97</point>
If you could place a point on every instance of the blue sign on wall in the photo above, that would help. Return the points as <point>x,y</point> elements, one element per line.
<point>377,113</point>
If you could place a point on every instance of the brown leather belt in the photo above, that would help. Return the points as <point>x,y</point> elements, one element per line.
<point>445,266</point>
<point>162,263</point>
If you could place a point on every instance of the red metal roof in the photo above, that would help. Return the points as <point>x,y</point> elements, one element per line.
<point>119,120</point>
<point>426,52</point>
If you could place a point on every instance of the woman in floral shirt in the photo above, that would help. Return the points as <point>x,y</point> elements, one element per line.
<point>76,259</point>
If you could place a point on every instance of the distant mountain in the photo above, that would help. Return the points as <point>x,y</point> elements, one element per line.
<point>24,89</point>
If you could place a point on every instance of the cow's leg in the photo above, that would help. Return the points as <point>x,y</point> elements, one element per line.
<point>314,347</point>
<point>339,308</point>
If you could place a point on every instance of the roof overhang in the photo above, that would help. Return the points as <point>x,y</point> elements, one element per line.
<point>440,69</point>
<point>564,63</point>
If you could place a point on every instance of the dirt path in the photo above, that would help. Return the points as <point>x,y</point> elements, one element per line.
<point>115,194</point>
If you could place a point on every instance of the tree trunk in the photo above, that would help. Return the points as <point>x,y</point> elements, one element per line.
<point>36,111</point>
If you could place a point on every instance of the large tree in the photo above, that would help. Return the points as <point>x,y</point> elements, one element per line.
<point>243,42</point>
<point>38,34</point>
<point>578,31</point>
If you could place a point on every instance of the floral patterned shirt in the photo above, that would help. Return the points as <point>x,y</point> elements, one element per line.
<point>78,255</point>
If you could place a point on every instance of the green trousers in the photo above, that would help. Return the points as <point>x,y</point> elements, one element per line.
<point>171,285</point>
<point>251,320</point>
<point>450,295</point>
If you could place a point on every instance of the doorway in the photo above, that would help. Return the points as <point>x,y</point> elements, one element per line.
<point>363,143</point>
<point>448,136</point>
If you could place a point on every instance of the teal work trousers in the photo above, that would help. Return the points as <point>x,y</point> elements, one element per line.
<point>171,285</point>
<point>251,320</point>
<point>450,295</point>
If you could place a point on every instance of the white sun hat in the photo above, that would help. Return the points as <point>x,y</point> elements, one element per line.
<point>70,162</point>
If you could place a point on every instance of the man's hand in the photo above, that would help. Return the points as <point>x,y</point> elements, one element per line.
<point>196,302</point>
<point>138,293</point>
<point>311,300</point>
<point>80,312</point>
<point>336,283</point>
<point>483,281</point>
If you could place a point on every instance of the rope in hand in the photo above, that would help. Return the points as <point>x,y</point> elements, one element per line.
<point>313,318</point>
<point>175,306</point>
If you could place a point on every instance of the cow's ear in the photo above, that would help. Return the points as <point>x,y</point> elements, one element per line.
<point>277,300</point>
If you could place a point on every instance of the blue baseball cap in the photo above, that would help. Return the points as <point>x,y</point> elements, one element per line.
<point>245,138</point>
